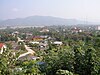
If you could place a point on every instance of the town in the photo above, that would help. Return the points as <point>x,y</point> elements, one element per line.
<point>50,50</point>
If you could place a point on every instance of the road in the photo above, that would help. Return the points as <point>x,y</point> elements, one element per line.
<point>30,51</point>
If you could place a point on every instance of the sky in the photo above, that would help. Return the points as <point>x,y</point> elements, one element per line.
<point>88,10</point>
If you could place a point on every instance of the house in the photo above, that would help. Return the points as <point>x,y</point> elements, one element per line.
<point>15,33</point>
<point>44,30</point>
<point>34,42</point>
<point>58,43</point>
<point>28,35</point>
<point>37,38</point>
<point>2,47</point>
<point>44,36</point>
<point>76,30</point>
<point>43,46</point>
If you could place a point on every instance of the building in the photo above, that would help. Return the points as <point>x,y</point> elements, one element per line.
<point>58,43</point>
<point>43,46</point>
<point>44,30</point>
<point>2,47</point>
<point>37,38</point>
<point>76,30</point>
<point>98,28</point>
<point>34,42</point>
<point>15,33</point>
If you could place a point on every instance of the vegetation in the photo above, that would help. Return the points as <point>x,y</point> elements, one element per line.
<point>79,55</point>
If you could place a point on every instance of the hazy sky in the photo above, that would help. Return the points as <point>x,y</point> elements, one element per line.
<point>70,9</point>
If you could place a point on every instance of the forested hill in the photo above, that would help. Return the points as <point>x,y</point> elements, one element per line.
<point>42,20</point>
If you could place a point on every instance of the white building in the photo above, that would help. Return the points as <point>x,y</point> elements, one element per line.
<point>34,42</point>
<point>98,28</point>
<point>58,43</point>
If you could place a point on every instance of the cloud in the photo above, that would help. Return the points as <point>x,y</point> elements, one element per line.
<point>15,9</point>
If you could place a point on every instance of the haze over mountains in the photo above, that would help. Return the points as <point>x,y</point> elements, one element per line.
<point>42,20</point>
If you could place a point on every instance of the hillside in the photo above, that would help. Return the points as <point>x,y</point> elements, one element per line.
<point>41,20</point>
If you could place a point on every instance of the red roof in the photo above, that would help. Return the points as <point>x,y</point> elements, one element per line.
<point>1,45</point>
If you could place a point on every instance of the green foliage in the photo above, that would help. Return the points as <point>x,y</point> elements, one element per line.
<point>7,62</point>
<point>63,72</point>
<point>79,55</point>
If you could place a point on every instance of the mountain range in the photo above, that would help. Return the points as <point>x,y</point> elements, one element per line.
<point>41,20</point>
